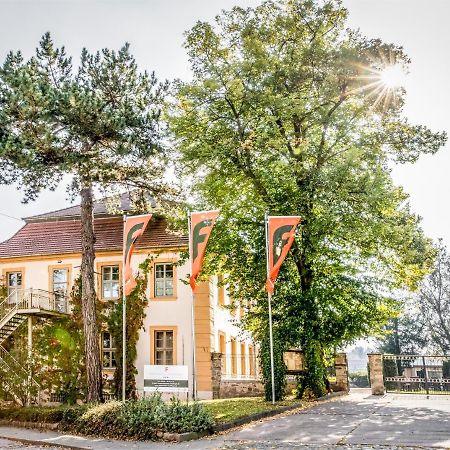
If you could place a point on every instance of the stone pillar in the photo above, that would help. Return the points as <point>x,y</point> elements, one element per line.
<point>341,366</point>
<point>376,373</point>
<point>216,359</point>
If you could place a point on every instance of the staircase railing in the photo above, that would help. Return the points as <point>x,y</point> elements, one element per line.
<point>19,379</point>
<point>10,304</point>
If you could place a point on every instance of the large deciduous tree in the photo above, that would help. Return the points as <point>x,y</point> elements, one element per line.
<point>288,113</point>
<point>97,123</point>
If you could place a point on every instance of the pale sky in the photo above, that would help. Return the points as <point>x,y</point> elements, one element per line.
<point>155,29</point>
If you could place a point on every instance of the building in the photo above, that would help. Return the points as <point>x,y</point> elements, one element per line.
<point>40,263</point>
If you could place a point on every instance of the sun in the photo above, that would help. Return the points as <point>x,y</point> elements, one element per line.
<point>393,76</point>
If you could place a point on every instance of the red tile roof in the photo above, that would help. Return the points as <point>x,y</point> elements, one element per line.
<point>64,236</point>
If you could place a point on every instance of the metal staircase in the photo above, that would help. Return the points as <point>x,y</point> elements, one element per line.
<point>14,310</point>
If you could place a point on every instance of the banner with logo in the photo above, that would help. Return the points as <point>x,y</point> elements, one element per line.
<point>134,227</point>
<point>280,234</point>
<point>201,225</point>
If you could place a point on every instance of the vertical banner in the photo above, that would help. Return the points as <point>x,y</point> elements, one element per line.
<point>134,227</point>
<point>200,227</point>
<point>280,236</point>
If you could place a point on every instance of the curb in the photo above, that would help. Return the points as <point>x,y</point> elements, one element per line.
<point>39,442</point>
<point>34,425</point>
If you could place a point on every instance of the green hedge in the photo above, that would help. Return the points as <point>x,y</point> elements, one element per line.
<point>43,414</point>
<point>137,419</point>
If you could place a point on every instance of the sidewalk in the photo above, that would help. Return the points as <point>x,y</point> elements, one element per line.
<point>36,437</point>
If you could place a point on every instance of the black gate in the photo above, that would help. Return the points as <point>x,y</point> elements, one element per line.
<point>417,374</point>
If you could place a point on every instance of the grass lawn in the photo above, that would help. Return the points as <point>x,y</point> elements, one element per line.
<point>230,409</point>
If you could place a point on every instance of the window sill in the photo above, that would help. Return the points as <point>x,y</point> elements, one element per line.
<point>163,299</point>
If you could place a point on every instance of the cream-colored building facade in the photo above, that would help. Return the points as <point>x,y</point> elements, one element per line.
<point>45,257</point>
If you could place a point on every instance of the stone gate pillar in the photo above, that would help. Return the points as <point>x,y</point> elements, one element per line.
<point>216,359</point>
<point>376,373</point>
<point>341,366</point>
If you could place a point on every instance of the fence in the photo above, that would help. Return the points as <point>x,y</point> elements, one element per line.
<point>418,374</point>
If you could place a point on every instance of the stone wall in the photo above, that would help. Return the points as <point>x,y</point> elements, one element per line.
<point>241,388</point>
<point>229,388</point>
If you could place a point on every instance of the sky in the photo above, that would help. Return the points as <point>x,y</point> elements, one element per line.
<point>155,28</point>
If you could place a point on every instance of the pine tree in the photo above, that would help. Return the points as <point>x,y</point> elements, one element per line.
<point>98,123</point>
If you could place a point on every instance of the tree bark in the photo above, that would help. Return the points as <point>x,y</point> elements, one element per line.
<point>89,297</point>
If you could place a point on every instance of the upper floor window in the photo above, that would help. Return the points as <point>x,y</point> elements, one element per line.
<point>109,351</point>
<point>164,280</point>
<point>110,282</point>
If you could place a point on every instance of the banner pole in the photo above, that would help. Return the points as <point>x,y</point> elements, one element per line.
<point>194,381</point>
<point>124,329</point>
<point>269,298</point>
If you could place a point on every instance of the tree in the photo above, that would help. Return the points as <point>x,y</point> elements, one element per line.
<point>434,303</point>
<point>287,113</point>
<point>99,124</point>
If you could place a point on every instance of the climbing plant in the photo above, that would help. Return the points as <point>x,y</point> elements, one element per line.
<point>136,303</point>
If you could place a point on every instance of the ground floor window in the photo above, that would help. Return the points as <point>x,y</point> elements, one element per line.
<point>109,351</point>
<point>164,347</point>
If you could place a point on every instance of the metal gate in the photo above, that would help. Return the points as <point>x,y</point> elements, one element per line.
<point>417,374</point>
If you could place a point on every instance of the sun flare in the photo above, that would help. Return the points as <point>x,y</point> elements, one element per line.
<point>393,76</point>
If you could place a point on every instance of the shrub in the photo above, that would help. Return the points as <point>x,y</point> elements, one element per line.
<point>43,414</point>
<point>138,419</point>
<point>359,379</point>
<point>142,419</point>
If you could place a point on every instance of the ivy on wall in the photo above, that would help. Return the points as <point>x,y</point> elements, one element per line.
<point>136,304</point>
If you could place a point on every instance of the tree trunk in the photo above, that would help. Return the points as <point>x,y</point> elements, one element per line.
<point>88,299</point>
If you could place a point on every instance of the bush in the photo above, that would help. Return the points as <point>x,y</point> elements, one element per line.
<point>43,414</point>
<point>138,419</point>
<point>359,379</point>
<point>143,419</point>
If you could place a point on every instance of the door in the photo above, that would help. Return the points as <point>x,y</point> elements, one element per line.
<point>14,285</point>
<point>60,284</point>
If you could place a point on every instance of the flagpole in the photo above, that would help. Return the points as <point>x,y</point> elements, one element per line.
<point>194,381</point>
<point>269,298</point>
<point>124,329</point>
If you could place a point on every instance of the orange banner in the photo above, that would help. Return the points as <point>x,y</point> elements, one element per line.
<point>280,236</point>
<point>133,227</point>
<point>201,225</point>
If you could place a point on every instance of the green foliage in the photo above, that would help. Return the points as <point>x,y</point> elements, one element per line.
<point>43,414</point>
<point>98,123</point>
<point>142,419</point>
<point>282,116</point>
<point>59,356</point>
<point>280,368</point>
<point>136,303</point>
<point>359,379</point>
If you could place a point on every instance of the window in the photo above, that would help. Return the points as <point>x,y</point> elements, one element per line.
<point>164,280</point>
<point>223,350</point>
<point>109,351</point>
<point>243,361</point>
<point>14,282</point>
<point>110,282</point>
<point>251,357</point>
<point>221,290</point>
<point>163,347</point>
<point>233,357</point>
